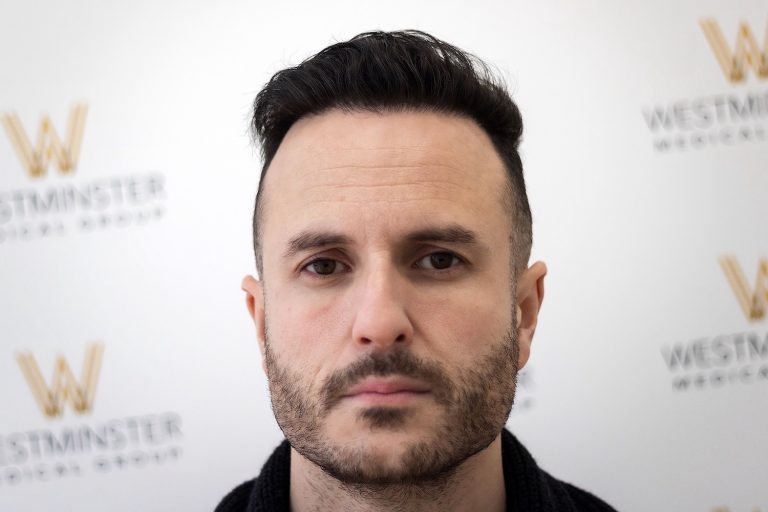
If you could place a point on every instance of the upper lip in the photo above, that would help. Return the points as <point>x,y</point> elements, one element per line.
<point>387,385</point>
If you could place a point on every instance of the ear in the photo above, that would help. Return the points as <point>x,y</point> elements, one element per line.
<point>254,300</point>
<point>530,294</point>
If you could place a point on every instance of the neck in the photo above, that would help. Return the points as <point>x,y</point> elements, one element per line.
<point>477,484</point>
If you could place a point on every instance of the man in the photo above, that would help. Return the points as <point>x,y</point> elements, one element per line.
<point>395,304</point>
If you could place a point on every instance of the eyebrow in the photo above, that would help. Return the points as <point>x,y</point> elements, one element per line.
<point>307,240</point>
<point>452,234</point>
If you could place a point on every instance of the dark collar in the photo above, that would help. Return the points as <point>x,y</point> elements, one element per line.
<point>529,489</point>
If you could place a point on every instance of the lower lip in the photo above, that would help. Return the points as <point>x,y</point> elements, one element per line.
<point>398,398</point>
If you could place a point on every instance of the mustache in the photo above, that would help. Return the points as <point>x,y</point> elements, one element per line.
<point>397,362</point>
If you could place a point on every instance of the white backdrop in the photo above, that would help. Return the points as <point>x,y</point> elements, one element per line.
<point>648,383</point>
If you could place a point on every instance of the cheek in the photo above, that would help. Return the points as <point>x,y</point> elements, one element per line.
<point>461,323</point>
<point>305,329</point>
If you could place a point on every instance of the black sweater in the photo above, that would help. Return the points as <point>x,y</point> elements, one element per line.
<point>529,489</point>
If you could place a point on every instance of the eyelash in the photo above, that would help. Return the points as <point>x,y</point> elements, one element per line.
<point>459,261</point>
<point>455,258</point>
<point>323,276</point>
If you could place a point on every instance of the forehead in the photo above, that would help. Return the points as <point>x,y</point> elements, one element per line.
<point>382,169</point>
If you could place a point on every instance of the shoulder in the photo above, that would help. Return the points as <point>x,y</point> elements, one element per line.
<point>269,491</point>
<point>531,488</point>
<point>237,499</point>
<point>583,501</point>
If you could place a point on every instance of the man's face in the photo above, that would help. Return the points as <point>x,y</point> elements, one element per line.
<point>390,333</point>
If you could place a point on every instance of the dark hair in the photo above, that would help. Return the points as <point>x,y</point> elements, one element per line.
<point>393,71</point>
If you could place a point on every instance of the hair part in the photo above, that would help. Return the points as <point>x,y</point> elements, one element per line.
<point>388,72</point>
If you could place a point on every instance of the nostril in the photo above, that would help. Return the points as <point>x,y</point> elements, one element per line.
<point>400,338</point>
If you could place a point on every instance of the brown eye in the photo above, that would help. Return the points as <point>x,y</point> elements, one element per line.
<point>439,261</point>
<point>324,267</point>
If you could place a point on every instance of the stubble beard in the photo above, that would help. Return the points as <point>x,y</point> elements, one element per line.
<point>475,406</point>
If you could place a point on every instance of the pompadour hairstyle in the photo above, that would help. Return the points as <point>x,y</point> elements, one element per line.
<point>395,71</point>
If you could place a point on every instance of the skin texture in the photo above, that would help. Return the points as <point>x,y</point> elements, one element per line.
<point>405,213</point>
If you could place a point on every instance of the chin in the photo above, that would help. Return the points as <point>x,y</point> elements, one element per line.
<point>370,463</point>
<point>375,446</point>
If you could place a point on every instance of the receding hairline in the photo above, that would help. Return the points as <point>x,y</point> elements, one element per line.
<point>363,114</point>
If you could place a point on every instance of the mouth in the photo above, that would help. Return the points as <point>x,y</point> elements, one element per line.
<point>387,391</point>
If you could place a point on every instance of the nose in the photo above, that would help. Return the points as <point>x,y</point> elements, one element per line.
<point>381,317</point>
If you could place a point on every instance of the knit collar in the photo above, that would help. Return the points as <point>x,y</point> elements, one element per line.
<point>528,488</point>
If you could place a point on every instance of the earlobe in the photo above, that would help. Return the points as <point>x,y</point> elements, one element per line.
<point>254,301</point>
<point>530,294</point>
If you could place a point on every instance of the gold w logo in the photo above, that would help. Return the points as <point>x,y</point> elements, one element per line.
<point>745,54</point>
<point>48,145</point>
<point>753,301</point>
<point>64,387</point>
